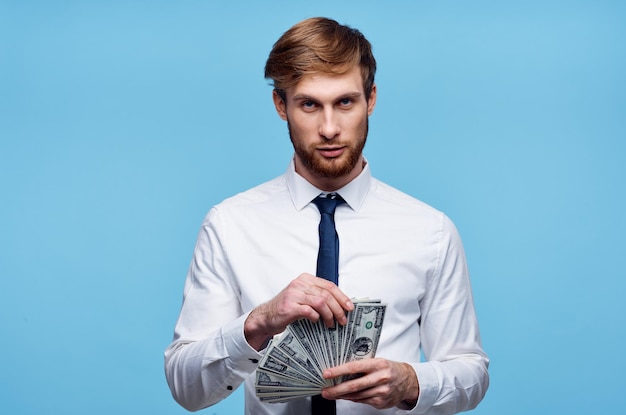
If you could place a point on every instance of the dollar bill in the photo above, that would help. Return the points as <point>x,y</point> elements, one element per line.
<point>267,379</point>
<point>287,351</point>
<point>273,364</point>
<point>366,328</point>
<point>294,361</point>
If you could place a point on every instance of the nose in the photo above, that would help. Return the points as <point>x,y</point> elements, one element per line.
<point>329,124</point>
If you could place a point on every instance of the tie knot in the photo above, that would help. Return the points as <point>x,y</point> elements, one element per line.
<point>329,203</point>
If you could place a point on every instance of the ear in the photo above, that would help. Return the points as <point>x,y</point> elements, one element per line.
<point>371,103</point>
<point>281,106</point>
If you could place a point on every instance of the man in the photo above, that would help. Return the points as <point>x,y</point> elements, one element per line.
<point>254,265</point>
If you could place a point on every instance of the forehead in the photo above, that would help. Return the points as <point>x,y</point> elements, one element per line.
<point>328,86</point>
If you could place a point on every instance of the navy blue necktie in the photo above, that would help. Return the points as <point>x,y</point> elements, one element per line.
<point>327,268</point>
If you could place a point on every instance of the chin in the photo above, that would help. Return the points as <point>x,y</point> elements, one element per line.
<point>333,168</point>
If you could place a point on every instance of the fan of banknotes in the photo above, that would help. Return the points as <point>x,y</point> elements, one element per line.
<point>295,359</point>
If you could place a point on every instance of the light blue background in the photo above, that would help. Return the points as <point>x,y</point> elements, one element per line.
<point>123,122</point>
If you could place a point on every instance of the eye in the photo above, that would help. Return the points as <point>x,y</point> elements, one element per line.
<point>308,105</point>
<point>344,102</point>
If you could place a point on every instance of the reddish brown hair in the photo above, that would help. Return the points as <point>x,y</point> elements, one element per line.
<point>319,45</point>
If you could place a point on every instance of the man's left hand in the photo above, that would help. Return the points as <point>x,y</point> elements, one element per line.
<point>380,383</point>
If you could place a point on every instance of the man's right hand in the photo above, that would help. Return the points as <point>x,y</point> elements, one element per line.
<point>307,297</point>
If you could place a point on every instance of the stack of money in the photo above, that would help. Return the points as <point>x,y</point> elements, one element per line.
<point>294,361</point>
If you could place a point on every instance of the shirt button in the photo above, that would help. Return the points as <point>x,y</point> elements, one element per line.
<point>230,388</point>
<point>254,360</point>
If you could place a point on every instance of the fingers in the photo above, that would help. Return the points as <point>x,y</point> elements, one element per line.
<point>364,388</point>
<point>327,307</point>
<point>307,297</point>
<point>356,367</point>
<point>380,383</point>
<point>324,298</point>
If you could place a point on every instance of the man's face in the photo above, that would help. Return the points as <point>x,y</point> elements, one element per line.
<point>327,116</point>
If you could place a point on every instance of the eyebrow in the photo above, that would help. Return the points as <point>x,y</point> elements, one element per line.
<point>305,97</point>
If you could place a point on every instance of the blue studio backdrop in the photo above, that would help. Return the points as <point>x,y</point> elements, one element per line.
<point>123,122</point>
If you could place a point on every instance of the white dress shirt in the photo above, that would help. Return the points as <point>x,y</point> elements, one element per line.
<point>392,247</point>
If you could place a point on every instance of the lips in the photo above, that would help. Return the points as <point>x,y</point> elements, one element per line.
<point>331,152</point>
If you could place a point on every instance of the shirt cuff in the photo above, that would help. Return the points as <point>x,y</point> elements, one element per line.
<point>243,356</point>
<point>429,388</point>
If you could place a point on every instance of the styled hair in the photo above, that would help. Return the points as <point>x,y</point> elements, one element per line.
<point>319,45</point>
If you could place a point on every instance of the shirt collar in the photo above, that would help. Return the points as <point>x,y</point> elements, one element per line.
<point>302,192</point>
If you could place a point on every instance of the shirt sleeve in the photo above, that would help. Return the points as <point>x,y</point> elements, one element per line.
<point>454,377</point>
<point>209,356</point>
